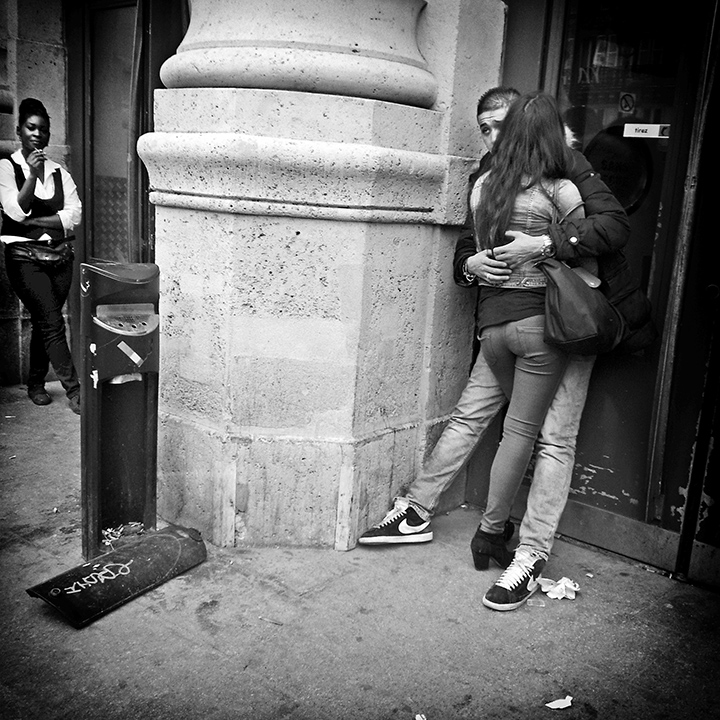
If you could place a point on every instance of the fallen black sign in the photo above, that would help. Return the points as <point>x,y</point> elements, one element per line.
<point>94,588</point>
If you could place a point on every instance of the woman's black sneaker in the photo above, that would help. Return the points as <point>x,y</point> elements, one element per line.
<point>517,583</point>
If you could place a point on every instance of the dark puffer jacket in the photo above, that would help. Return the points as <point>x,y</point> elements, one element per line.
<point>602,234</point>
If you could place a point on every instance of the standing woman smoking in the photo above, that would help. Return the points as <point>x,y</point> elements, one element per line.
<point>40,210</point>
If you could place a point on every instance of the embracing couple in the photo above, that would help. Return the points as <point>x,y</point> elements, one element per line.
<point>532,197</point>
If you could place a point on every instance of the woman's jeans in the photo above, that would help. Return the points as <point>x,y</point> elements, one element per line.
<point>43,290</point>
<point>482,399</point>
<point>529,372</point>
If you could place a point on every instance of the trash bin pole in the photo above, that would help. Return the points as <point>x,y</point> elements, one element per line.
<point>120,365</point>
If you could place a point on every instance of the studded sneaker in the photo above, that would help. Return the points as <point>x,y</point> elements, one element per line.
<point>402,524</point>
<point>517,583</point>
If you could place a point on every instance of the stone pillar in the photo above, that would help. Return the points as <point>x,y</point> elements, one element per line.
<point>307,199</point>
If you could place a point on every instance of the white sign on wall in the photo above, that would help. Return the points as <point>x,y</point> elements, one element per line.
<point>646,130</point>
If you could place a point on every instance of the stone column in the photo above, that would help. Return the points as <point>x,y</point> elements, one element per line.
<point>307,207</point>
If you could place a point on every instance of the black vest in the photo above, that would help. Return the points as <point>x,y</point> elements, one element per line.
<point>38,208</point>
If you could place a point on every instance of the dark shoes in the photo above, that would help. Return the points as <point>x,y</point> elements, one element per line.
<point>486,546</point>
<point>517,583</point>
<point>401,525</point>
<point>74,403</point>
<point>39,395</point>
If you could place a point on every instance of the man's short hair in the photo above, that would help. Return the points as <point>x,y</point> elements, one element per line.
<point>495,98</point>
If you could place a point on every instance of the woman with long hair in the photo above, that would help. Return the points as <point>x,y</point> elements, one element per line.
<point>526,189</point>
<point>40,209</point>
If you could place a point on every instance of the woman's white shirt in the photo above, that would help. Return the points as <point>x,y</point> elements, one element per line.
<point>71,213</point>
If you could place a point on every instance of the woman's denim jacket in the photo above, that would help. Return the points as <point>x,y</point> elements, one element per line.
<point>602,235</point>
<point>535,210</point>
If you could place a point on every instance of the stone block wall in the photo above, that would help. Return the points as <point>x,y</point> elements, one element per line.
<point>313,341</point>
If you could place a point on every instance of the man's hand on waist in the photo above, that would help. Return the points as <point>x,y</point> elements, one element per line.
<point>522,248</point>
<point>487,268</point>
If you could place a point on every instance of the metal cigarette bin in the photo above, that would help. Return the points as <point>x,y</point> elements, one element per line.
<point>120,335</point>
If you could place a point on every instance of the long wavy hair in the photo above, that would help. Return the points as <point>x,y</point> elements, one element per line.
<point>531,148</point>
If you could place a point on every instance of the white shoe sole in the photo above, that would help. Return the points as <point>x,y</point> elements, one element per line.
<point>397,539</point>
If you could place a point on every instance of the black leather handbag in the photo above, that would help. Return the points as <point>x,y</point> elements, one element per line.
<point>578,317</point>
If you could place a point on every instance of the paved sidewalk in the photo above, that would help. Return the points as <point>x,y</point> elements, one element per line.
<point>313,634</point>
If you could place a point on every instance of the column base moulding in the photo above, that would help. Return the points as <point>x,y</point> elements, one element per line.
<point>227,172</point>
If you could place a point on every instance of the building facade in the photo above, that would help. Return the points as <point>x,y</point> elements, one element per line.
<point>299,176</point>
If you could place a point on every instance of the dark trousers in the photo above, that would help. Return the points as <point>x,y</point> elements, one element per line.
<point>43,290</point>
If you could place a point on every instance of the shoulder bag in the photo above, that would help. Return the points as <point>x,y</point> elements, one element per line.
<point>578,317</point>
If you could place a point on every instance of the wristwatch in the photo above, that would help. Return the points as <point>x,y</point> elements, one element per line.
<point>548,247</point>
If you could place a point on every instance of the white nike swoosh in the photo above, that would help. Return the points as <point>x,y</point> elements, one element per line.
<point>406,529</point>
<point>532,585</point>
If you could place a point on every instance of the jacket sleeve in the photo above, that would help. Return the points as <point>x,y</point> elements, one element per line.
<point>604,230</point>
<point>465,246</point>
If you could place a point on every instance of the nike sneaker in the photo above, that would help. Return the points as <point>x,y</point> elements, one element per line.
<point>402,524</point>
<point>517,583</point>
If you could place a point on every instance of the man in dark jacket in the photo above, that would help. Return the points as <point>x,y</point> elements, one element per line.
<point>601,235</point>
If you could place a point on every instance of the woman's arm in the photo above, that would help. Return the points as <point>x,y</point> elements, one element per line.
<point>575,215</point>
<point>35,162</point>
<point>605,228</point>
<point>69,217</point>
<point>9,192</point>
<point>52,222</point>
<point>570,202</point>
<point>71,214</point>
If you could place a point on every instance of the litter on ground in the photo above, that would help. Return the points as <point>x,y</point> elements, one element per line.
<point>558,589</point>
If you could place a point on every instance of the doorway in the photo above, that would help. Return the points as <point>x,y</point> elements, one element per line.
<point>115,51</point>
<point>630,86</point>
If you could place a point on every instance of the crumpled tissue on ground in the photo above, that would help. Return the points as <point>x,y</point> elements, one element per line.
<point>558,589</point>
<point>560,704</point>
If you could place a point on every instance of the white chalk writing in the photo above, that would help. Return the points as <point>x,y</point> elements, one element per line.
<point>111,571</point>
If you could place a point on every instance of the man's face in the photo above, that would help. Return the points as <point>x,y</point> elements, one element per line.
<point>490,122</point>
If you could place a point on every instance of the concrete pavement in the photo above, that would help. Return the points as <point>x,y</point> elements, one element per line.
<point>312,634</point>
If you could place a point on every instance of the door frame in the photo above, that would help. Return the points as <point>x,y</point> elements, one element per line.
<point>160,27</point>
<point>647,542</point>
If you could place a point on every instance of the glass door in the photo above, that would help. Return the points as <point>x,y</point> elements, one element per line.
<point>112,30</point>
<point>627,83</point>
<point>620,88</point>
